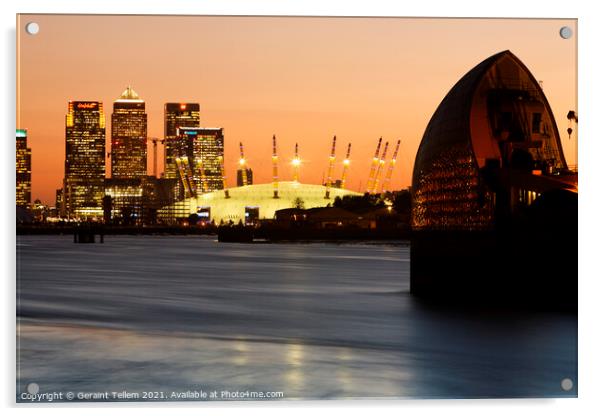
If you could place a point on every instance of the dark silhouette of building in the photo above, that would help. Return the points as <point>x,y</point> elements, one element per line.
<point>59,202</point>
<point>83,187</point>
<point>23,162</point>
<point>128,136</point>
<point>177,115</point>
<point>488,173</point>
<point>239,178</point>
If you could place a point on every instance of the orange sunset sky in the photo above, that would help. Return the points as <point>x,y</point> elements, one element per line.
<point>304,79</point>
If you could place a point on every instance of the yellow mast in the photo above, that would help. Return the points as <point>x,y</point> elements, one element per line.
<point>373,167</point>
<point>346,164</point>
<point>330,167</point>
<point>243,168</point>
<point>274,166</point>
<point>296,164</point>
<point>392,162</point>
<point>379,170</point>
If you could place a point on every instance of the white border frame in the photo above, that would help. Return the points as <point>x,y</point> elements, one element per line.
<point>589,74</point>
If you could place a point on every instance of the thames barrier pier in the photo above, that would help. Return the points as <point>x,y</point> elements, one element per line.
<point>494,204</point>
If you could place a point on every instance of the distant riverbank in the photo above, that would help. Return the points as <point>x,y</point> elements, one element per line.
<point>67,229</point>
<point>261,232</point>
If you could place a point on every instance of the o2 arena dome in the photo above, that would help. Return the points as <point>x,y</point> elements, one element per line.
<point>236,204</point>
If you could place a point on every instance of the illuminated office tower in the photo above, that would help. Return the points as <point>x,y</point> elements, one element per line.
<point>83,187</point>
<point>177,115</point>
<point>128,136</point>
<point>199,160</point>
<point>23,159</point>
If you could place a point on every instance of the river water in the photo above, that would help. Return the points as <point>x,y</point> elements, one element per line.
<point>175,316</point>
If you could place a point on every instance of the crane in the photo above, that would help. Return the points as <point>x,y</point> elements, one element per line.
<point>155,140</point>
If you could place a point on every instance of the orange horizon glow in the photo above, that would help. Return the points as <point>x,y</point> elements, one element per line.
<point>304,79</point>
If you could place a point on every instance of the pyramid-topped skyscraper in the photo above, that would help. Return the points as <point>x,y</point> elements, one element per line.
<point>128,136</point>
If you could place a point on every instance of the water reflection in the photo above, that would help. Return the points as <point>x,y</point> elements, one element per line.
<point>240,357</point>
<point>343,371</point>
<point>294,375</point>
<point>328,321</point>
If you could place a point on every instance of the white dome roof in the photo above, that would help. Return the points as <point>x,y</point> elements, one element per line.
<point>262,197</point>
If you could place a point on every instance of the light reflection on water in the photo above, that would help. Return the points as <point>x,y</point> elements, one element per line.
<point>310,320</point>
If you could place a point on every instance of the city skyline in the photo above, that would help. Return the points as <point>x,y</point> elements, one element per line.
<point>331,79</point>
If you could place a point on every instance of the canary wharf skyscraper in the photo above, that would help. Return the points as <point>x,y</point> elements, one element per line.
<point>23,158</point>
<point>200,159</point>
<point>84,160</point>
<point>128,136</point>
<point>177,115</point>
